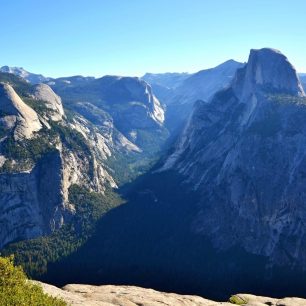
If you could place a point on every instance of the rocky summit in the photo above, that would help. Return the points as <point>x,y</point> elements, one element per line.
<point>17,116</point>
<point>245,154</point>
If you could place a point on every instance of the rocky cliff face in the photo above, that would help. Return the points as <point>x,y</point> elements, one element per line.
<point>268,70</point>
<point>135,113</point>
<point>244,153</point>
<point>131,103</point>
<point>32,202</point>
<point>51,100</point>
<point>42,154</point>
<point>17,117</point>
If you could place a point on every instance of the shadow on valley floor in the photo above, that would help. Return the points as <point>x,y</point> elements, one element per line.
<point>148,242</point>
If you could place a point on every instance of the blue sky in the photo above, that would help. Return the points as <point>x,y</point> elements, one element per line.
<point>131,37</point>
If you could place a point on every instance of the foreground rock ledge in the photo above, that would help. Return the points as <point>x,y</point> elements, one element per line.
<point>134,296</point>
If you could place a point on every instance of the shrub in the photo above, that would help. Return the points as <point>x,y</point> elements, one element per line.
<point>16,289</point>
<point>237,300</point>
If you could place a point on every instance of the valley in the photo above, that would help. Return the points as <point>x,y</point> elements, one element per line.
<point>184,183</point>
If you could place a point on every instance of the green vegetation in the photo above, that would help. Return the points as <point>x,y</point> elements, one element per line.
<point>32,149</point>
<point>38,105</point>
<point>16,289</point>
<point>286,99</point>
<point>237,300</point>
<point>20,85</point>
<point>73,139</point>
<point>150,141</point>
<point>26,152</point>
<point>271,123</point>
<point>34,255</point>
<point>126,168</point>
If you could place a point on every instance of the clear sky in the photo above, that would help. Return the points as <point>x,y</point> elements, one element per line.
<point>131,37</point>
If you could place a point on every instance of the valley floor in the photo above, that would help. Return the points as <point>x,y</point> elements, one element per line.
<point>109,295</point>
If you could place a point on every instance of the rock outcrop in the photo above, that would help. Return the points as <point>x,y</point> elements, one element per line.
<point>16,115</point>
<point>32,202</point>
<point>52,101</point>
<point>104,131</point>
<point>139,107</point>
<point>39,161</point>
<point>245,154</point>
<point>269,70</point>
<point>132,296</point>
<point>127,103</point>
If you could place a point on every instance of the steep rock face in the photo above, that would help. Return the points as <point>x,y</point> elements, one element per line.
<point>137,96</point>
<point>269,70</point>
<point>52,101</point>
<point>134,110</point>
<point>39,161</point>
<point>16,115</point>
<point>106,133</point>
<point>32,202</point>
<point>244,153</point>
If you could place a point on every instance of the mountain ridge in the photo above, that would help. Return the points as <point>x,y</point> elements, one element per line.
<point>248,115</point>
<point>224,208</point>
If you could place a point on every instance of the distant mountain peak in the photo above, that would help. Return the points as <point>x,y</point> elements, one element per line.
<point>244,153</point>
<point>28,76</point>
<point>268,69</point>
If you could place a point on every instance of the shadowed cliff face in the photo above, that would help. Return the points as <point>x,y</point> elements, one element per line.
<point>245,154</point>
<point>32,202</point>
